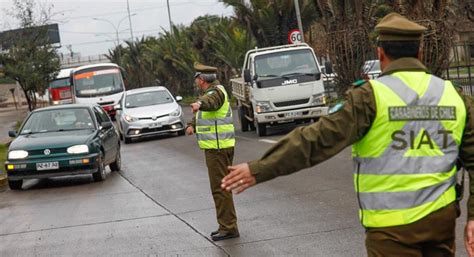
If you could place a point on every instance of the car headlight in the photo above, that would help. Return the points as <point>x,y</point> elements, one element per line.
<point>176,112</point>
<point>129,118</point>
<point>319,100</point>
<point>262,107</point>
<point>76,149</point>
<point>17,154</point>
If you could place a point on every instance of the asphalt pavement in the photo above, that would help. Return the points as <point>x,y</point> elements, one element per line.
<point>160,204</point>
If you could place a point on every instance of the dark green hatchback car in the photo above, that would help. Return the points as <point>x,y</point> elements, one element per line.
<point>63,140</point>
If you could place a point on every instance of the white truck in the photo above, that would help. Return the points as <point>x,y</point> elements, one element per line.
<point>279,84</point>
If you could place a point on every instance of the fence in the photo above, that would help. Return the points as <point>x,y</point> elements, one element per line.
<point>461,67</point>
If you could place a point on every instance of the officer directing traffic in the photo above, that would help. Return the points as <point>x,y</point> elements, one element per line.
<point>214,128</point>
<point>407,129</point>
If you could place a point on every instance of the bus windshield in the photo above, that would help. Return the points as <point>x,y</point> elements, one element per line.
<point>92,83</point>
<point>280,64</point>
<point>57,83</point>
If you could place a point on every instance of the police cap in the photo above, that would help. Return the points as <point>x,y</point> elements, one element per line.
<point>203,69</point>
<point>395,27</point>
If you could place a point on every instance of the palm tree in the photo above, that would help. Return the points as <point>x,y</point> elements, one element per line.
<point>269,21</point>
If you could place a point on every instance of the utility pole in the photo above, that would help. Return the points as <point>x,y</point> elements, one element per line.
<point>298,17</point>
<point>169,16</point>
<point>130,21</point>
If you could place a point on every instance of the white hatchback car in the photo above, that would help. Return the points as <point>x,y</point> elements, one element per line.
<point>149,111</point>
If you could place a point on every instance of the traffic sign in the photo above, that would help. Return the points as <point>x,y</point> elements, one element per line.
<point>294,36</point>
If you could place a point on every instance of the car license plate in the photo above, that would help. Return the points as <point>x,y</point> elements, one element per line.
<point>292,114</point>
<point>47,166</point>
<point>155,125</point>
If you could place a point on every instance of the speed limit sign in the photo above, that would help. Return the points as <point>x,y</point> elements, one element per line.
<point>294,36</point>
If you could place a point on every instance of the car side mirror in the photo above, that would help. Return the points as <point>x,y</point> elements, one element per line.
<point>328,67</point>
<point>12,133</point>
<point>247,76</point>
<point>106,125</point>
<point>179,98</point>
<point>117,107</point>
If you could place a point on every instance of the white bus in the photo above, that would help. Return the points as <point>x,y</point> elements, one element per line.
<point>99,83</point>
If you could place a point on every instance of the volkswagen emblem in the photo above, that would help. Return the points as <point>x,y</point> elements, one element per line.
<point>47,152</point>
<point>154,117</point>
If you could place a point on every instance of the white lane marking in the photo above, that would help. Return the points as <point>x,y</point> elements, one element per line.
<point>268,141</point>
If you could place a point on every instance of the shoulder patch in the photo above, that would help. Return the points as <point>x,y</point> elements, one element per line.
<point>359,82</point>
<point>211,92</point>
<point>337,107</point>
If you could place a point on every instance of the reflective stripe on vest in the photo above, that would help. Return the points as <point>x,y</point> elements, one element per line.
<point>405,164</point>
<point>215,130</point>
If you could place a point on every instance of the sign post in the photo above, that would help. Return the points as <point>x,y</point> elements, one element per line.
<point>295,37</point>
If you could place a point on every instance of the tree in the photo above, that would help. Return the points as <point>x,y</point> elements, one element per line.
<point>30,59</point>
<point>269,21</point>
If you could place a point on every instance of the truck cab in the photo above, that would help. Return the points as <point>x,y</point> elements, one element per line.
<point>281,84</point>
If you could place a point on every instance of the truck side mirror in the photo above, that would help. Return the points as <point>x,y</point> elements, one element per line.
<point>247,76</point>
<point>328,67</point>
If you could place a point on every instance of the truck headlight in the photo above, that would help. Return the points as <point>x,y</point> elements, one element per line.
<point>262,107</point>
<point>17,154</point>
<point>176,112</point>
<point>129,118</point>
<point>76,149</point>
<point>319,99</point>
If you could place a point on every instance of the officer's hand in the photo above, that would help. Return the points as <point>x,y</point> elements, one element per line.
<point>195,107</point>
<point>469,238</point>
<point>189,130</point>
<point>239,178</point>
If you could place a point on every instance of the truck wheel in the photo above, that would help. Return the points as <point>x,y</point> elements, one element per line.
<point>15,184</point>
<point>261,129</point>
<point>244,123</point>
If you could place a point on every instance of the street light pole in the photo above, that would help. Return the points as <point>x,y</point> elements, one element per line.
<point>130,21</point>
<point>298,17</point>
<point>169,16</point>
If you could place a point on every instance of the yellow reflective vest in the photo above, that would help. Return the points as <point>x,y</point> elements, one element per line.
<point>215,130</point>
<point>406,164</point>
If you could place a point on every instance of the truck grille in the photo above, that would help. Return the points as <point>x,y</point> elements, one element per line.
<point>292,102</point>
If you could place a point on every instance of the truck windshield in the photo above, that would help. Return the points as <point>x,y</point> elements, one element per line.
<point>282,64</point>
<point>57,83</point>
<point>92,83</point>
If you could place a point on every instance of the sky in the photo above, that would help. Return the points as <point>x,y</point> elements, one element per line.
<point>89,27</point>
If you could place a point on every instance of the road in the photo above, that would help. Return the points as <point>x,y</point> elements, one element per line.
<point>160,205</point>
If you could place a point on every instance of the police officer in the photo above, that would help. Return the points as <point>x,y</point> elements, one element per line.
<point>214,129</point>
<point>407,128</point>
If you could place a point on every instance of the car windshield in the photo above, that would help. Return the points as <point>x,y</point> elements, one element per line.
<point>98,82</point>
<point>59,83</point>
<point>58,120</point>
<point>148,98</point>
<point>281,64</point>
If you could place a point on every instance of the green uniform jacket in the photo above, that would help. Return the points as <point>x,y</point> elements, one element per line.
<point>307,146</point>
<point>211,100</point>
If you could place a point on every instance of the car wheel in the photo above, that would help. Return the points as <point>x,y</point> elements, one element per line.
<point>261,129</point>
<point>117,164</point>
<point>15,184</point>
<point>100,175</point>
<point>127,140</point>
<point>182,132</point>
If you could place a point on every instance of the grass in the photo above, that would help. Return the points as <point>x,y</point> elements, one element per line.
<point>3,158</point>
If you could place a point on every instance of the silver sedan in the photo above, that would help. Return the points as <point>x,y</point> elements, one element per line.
<point>149,111</point>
